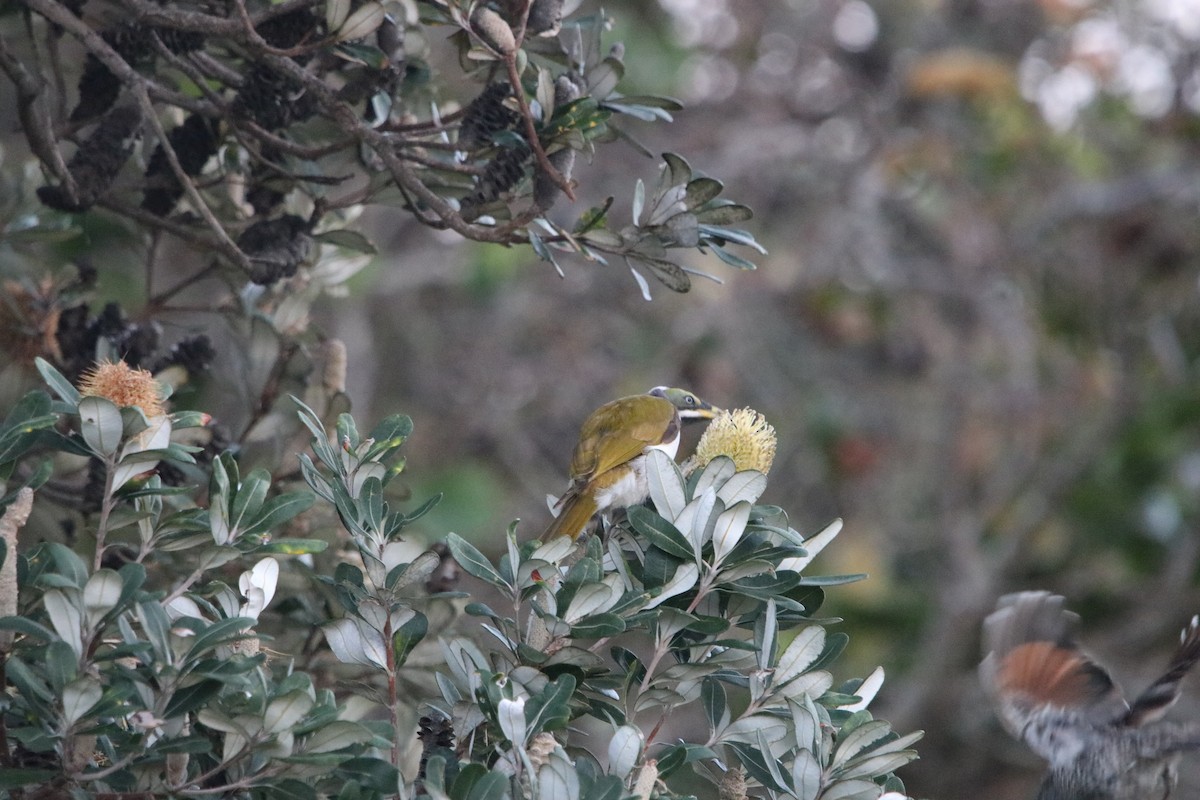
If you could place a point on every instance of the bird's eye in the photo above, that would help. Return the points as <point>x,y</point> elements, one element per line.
<point>691,401</point>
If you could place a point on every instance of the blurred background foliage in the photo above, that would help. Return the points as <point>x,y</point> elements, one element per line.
<point>976,331</point>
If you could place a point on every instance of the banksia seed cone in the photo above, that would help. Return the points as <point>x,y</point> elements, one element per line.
<point>13,518</point>
<point>743,435</point>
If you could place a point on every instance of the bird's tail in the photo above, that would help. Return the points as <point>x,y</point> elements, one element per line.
<point>1162,694</point>
<point>576,510</point>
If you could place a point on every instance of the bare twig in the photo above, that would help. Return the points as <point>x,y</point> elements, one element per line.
<point>34,119</point>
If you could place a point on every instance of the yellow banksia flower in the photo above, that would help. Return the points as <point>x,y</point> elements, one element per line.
<point>743,435</point>
<point>124,386</point>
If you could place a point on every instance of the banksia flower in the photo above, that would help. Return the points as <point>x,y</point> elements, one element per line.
<point>124,386</point>
<point>742,435</point>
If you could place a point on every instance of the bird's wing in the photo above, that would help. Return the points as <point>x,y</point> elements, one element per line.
<point>1039,680</point>
<point>608,439</point>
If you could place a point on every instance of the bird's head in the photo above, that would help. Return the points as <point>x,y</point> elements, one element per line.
<point>689,405</point>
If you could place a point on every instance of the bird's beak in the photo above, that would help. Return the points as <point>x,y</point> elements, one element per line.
<point>702,411</point>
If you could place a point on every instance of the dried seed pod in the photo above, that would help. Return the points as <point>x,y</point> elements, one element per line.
<point>96,163</point>
<point>271,99</point>
<point>194,142</point>
<point>436,734</point>
<point>288,30</point>
<point>194,353</point>
<point>98,90</point>
<point>545,190</point>
<point>503,172</point>
<point>493,31</point>
<point>11,521</point>
<point>486,116</point>
<point>545,18</point>
<point>276,248</point>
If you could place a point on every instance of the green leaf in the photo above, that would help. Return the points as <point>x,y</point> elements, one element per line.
<point>28,682</point>
<point>293,547</point>
<point>662,534</point>
<point>285,711</point>
<point>191,697</point>
<point>492,786</point>
<point>61,665</point>
<point>668,273</point>
<point>550,710</point>
<point>732,260</point>
<point>639,201</point>
<point>101,425</point>
<point>408,636</point>
<point>835,643</point>
<point>220,632</point>
<point>598,626</point>
<point>372,773</point>
<point>349,240</point>
<point>701,190</point>
<point>712,699</point>
<point>392,430</point>
<point>249,498</point>
<point>473,561</point>
<point>762,767</point>
<point>683,753</point>
<point>831,580</point>
<point>26,626</point>
<point>722,212</point>
<point>337,735</point>
<point>593,217</point>
<point>543,252</point>
<point>16,777</point>
<point>55,380</point>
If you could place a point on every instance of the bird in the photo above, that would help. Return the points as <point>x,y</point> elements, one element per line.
<point>1066,707</point>
<point>608,467</point>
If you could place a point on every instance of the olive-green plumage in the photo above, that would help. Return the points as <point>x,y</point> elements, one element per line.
<point>608,465</point>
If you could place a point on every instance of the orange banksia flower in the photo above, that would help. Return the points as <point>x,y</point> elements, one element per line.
<point>124,386</point>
